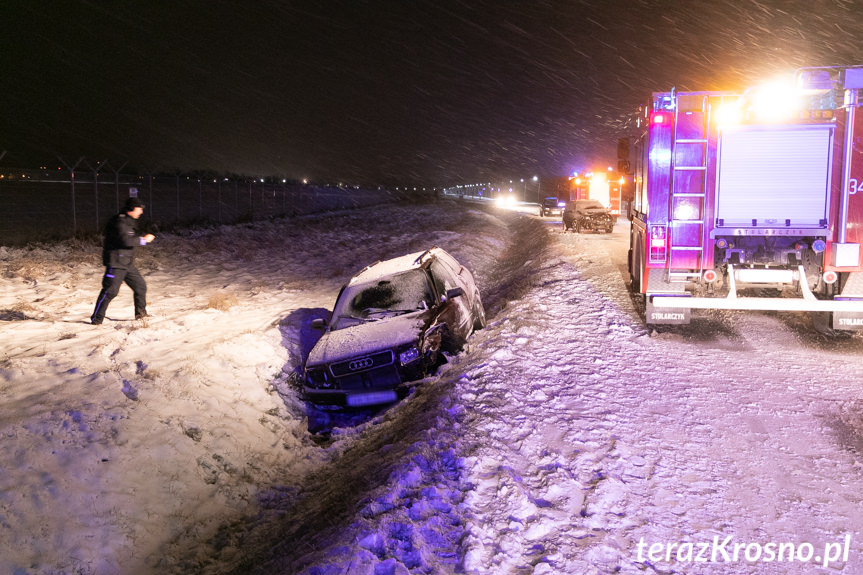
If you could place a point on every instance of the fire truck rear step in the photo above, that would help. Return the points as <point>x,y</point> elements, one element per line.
<point>807,301</point>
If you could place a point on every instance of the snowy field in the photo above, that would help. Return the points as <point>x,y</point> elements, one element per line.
<point>567,439</point>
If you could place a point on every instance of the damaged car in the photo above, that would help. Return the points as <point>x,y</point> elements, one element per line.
<point>587,216</point>
<point>390,326</point>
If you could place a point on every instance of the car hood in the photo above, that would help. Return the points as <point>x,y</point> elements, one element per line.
<point>593,211</point>
<point>368,338</point>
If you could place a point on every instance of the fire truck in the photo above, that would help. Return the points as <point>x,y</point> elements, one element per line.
<point>601,186</point>
<point>749,201</point>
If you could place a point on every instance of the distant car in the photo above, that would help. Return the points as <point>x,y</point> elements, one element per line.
<point>389,325</point>
<point>552,207</point>
<point>587,216</point>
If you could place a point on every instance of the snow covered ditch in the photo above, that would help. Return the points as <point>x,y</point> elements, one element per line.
<point>128,447</point>
<point>568,438</point>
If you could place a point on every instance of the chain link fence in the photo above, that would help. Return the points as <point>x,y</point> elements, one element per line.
<point>40,205</point>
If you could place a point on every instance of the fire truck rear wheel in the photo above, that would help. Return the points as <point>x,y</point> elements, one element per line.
<point>636,273</point>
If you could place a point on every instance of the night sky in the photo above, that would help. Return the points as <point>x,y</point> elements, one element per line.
<point>380,92</point>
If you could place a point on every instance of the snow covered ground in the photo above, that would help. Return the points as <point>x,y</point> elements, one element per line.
<point>568,438</point>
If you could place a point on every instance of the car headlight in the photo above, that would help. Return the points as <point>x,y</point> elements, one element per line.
<point>317,378</point>
<point>409,355</point>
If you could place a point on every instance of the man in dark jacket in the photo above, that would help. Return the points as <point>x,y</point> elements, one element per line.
<point>118,256</point>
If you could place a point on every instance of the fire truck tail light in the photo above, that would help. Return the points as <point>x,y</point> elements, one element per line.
<point>710,276</point>
<point>818,246</point>
<point>721,243</point>
<point>658,118</point>
<point>830,277</point>
<point>658,238</point>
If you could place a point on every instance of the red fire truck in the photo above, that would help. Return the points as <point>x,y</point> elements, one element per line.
<point>742,191</point>
<point>605,187</point>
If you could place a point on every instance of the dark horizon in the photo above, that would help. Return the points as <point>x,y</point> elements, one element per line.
<point>381,92</point>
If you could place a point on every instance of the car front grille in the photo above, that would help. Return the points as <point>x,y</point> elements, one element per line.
<point>362,363</point>
<point>381,378</point>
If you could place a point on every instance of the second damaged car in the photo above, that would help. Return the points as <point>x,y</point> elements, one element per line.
<point>587,216</point>
<point>389,327</point>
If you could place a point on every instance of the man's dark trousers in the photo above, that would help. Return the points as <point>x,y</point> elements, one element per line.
<point>111,283</point>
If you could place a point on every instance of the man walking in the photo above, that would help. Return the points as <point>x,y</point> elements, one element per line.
<point>118,256</point>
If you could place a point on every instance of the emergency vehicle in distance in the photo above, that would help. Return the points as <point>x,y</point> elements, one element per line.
<point>737,191</point>
<point>605,187</point>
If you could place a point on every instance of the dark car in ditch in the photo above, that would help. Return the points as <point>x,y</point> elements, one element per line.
<point>587,216</point>
<point>389,328</point>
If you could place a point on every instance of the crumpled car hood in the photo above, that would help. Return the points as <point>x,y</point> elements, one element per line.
<point>368,338</point>
<point>594,211</point>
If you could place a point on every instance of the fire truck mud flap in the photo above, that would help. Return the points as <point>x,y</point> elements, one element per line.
<point>853,291</point>
<point>848,320</point>
<point>667,315</point>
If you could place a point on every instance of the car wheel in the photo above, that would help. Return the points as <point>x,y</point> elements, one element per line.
<point>478,315</point>
<point>579,227</point>
<point>449,343</point>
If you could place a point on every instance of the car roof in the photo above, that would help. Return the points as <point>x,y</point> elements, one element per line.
<point>407,262</point>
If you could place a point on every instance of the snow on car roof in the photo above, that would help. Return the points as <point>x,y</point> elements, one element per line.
<point>389,267</point>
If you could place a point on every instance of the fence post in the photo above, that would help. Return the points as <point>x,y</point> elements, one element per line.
<point>72,180</point>
<point>117,184</point>
<point>96,186</point>
<point>178,198</point>
<point>149,201</point>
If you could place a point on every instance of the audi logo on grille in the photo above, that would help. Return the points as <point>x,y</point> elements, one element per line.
<point>359,364</point>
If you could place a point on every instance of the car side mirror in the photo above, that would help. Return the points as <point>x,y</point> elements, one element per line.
<point>319,323</point>
<point>454,292</point>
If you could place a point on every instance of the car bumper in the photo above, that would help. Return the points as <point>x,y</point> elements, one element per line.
<point>348,399</point>
<point>374,387</point>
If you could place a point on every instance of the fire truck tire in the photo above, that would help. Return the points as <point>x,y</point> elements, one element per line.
<point>638,272</point>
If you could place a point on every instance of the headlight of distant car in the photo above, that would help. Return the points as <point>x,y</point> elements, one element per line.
<point>409,355</point>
